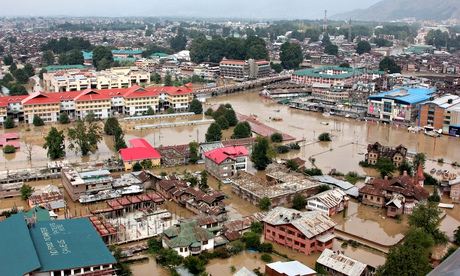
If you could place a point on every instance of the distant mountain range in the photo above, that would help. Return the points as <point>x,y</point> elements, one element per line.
<point>387,10</point>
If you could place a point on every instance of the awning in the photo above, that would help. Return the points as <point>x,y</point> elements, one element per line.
<point>326,237</point>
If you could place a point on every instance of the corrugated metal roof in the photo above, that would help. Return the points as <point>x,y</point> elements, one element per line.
<point>341,263</point>
<point>292,268</point>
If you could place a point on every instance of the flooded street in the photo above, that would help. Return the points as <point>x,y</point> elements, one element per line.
<point>148,268</point>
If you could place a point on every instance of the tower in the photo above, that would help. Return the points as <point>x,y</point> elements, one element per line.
<point>325,22</point>
<point>349,31</point>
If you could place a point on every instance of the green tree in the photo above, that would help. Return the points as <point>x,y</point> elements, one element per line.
<point>26,191</point>
<point>168,80</point>
<point>313,172</point>
<point>204,181</point>
<point>222,122</point>
<point>277,67</point>
<point>324,137</point>
<point>257,227</point>
<point>146,164</point>
<point>266,258</point>
<point>64,118</point>
<point>8,60</point>
<point>344,65</point>
<point>385,166</point>
<point>195,265</point>
<point>169,258</point>
<point>435,196</point>
<point>7,78</point>
<point>54,143</point>
<point>9,149</point>
<point>29,70</point>
<point>419,159</point>
<point>137,167</point>
<point>388,64</point>
<point>72,57</point>
<point>21,76</point>
<point>260,154</point>
<point>13,68</point>
<point>42,71</point>
<point>111,125</point>
<point>37,121</point>
<point>47,58</point>
<point>9,123</point>
<point>230,116</point>
<point>150,111</point>
<point>242,130</point>
<point>251,240</point>
<point>265,204</point>
<point>363,47</point>
<point>292,165</point>
<point>381,42</point>
<point>178,42</point>
<point>291,55</point>
<point>84,137</point>
<point>193,148</point>
<point>405,167</point>
<point>156,78</point>
<point>102,58</point>
<point>276,137</point>
<point>331,49</point>
<point>299,202</point>
<point>119,140</point>
<point>428,217</point>
<point>214,133</point>
<point>196,107</point>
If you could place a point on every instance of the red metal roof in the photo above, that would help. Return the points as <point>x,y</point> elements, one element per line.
<point>221,154</point>
<point>140,150</point>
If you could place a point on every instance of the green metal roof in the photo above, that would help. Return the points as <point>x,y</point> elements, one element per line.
<point>159,55</point>
<point>53,68</point>
<point>188,233</point>
<point>17,253</point>
<point>71,243</point>
<point>41,214</point>
<point>347,72</point>
<point>127,52</point>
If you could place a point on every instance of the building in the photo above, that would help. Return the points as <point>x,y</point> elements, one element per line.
<point>244,69</point>
<point>336,263</point>
<point>376,151</point>
<point>292,268</point>
<point>334,75</point>
<point>78,184</point>
<point>226,162</point>
<point>49,197</point>
<point>102,103</point>
<point>399,195</point>
<point>78,79</point>
<point>441,113</point>
<point>51,248</point>
<point>8,190</point>
<point>400,104</point>
<point>330,202</point>
<point>126,55</point>
<point>306,232</point>
<point>140,151</point>
<point>188,238</point>
<point>347,187</point>
<point>450,266</point>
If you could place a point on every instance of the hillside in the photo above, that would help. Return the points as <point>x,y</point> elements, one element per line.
<point>387,10</point>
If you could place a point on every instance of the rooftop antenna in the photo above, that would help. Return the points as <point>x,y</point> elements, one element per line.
<point>349,30</point>
<point>325,22</point>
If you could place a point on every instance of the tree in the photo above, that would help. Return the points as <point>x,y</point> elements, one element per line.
<point>119,140</point>
<point>54,143</point>
<point>222,122</point>
<point>21,76</point>
<point>9,123</point>
<point>195,265</point>
<point>26,191</point>
<point>9,149</point>
<point>299,202</point>
<point>102,58</point>
<point>405,167</point>
<point>8,60</point>
<point>29,70</point>
<point>37,121</point>
<point>47,58</point>
<point>64,118</point>
<point>344,65</point>
<point>265,203</point>
<point>435,196</point>
<point>137,167</point>
<point>196,107</point>
<point>156,78</point>
<point>7,78</point>
<point>257,227</point>
<point>84,137</point>
<point>42,71</point>
<point>260,154</point>
<point>457,236</point>
<point>13,68</point>
<point>168,80</point>
<point>242,130</point>
<point>266,258</point>
<point>292,165</point>
<point>427,217</point>
<point>419,160</point>
<point>150,111</point>
<point>111,125</point>
<point>168,257</point>
<point>146,164</point>
<point>363,47</point>
<point>276,137</point>
<point>178,42</point>
<point>204,181</point>
<point>277,67</point>
<point>291,55</point>
<point>193,149</point>
<point>385,166</point>
<point>331,49</point>
<point>324,137</point>
<point>71,57</point>
<point>381,42</point>
<point>214,133</point>
<point>388,64</point>
<point>251,240</point>
<point>230,116</point>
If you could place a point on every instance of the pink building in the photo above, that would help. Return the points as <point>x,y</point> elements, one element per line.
<point>306,232</point>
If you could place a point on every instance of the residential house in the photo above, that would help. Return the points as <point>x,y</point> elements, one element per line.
<point>226,162</point>
<point>336,263</point>
<point>306,232</point>
<point>329,202</point>
<point>188,238</point>
<point>376,151</point>
<point>292,268</point>
<point>140,151</point>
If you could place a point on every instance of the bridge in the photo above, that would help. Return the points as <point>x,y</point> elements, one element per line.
<point>227,89</point>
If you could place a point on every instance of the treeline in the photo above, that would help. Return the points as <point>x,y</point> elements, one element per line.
<point>65,44</point>
<point>204,50</point>
<point>16,78</point>
<point>116,26</point>
<point>440,39</point>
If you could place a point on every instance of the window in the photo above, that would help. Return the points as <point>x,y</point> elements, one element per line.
<point>281,237</point>
<point>205,242</point>
<point>387,106</point>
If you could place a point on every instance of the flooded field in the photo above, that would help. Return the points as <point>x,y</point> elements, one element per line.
<point>250,260</point>
<point>148,268</point>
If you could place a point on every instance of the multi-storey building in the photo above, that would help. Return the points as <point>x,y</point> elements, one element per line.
<point>329,202</point>
<point>82,183</point>
<point>226,162</point>
<point>441,113</point>
<point>377,151</point>
<point>306,232</point>
<point>102,103</point>
<point>244,69</point>
<point>334,75</point>
<point>78,79</point>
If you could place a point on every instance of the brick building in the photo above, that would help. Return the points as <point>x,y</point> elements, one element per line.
<point>376,151</point>
<point>226,162</point>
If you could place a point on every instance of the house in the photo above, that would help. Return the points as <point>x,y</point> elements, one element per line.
<point>336,263</point>
<point>376,151</point>
<point>140,151</point>
<point>8,190</point>
<point>52,247</point>
<point>306,232</point>
<point>399,195</point>
<point>49,197</point>
<point>188,238</point>
<point>226,162</point>
<point>329,202</point>
<point>292,268</point>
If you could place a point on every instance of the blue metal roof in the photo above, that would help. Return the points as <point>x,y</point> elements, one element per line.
<point>87,55</point>
<point>17,253</point>
<point>407,95</point>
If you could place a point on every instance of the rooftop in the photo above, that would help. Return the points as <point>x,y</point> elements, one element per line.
<point>186,234</point>
<point>330,198</point>
<point>406,95</point>
<point>334,72</point>
<point>341,263</point>
<point>219,155</point>
<point>140,150</point>
<point>293,268</point>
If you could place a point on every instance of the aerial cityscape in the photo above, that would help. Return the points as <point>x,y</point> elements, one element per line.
<point>215,138</point>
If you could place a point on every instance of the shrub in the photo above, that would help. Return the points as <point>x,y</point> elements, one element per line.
<point>313,172</point>
<point>294,146</point>
<point>440,160</point>
<point>37,121</point>
<point>9,149</point>
<point>266,247</point>
<point>266,258</point>
<point>9,123</point>
<point>282,149</point>
<point>325,137</point>
<point>276,137</point>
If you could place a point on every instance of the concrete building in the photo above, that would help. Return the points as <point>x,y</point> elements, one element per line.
<point>244,69</point>
<point>329,202</point>
<point>336,263</point>
<point>376,151</point>
<point>292,268</point>
<point>52,248</point>
<point>140,151</point>
<point>188,238</point>
<point>82,183</point>
<point>441,113</point>
<point>9,190</point>
<point>306,232</point>
<point>400,104</point>
<point>77,80</point>
<point>49,197</point>
<point>333,75</point>
<point>226,162</point>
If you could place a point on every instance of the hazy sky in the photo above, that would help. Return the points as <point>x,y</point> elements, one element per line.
<point>199,8</point>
